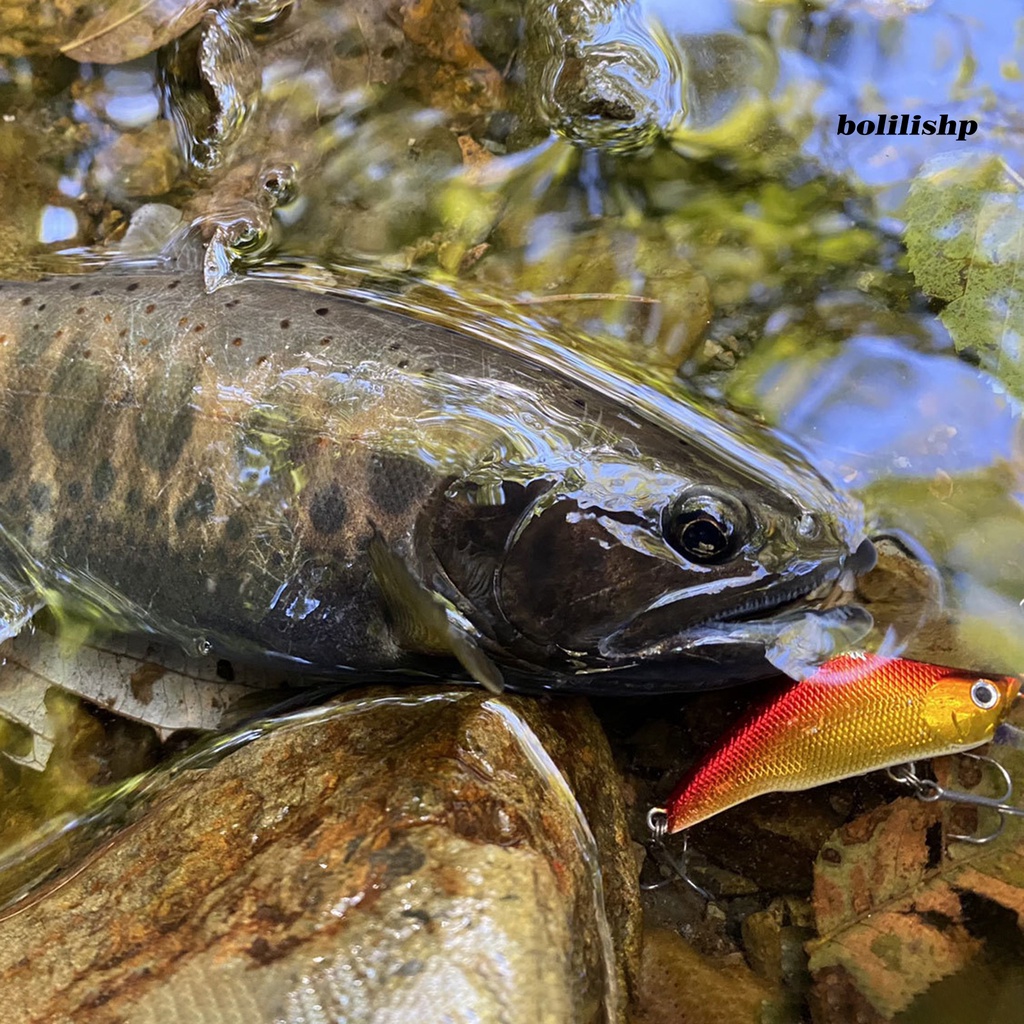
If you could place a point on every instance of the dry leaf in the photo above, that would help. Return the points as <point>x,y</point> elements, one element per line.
<point>127,29</point>
<point>888,898</point>
<point>127,676</point>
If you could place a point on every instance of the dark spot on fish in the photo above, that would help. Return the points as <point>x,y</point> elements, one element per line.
<point>74,287</point>
<point>150,308</point>
<point>322,311</point>
<point>396,481</point>
<point>394,346</point>
<point>80,311</point>
<point>173,285</point>
<point>200,506</point>
<point>103,480</point>
<point>133,499</point>
<point>133,287</point>
<point>326,341</point>
<point>199,328</point>
<point>831,855</point>
<point>225,670</point>
<point>183,322</point>
<point>96,291</point>
<point>73,491</point>
<point>27,300</point>
<point>403,363</point>
<point>76,400</point>
<point>327,509</point>
<point>6,465</point>
<point>152,517</point>
<point>262,360</point>
<point>62,537</point>
<point>579,403</point>
<point>39,496</point>
<point>277,559</point>
<point>237,342</point>
<point>286,323</point>
<point>232,303</point>
<point>428,370</point>
<point>166,417</point>
<point>123,333</point>
<point>234,528</point>
<point>40,307</point>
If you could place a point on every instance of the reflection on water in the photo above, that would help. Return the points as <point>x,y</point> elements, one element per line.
<point>693,212</point>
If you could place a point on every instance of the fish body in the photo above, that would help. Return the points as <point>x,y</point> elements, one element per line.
<point>265,473</point>
<point>856,714</point>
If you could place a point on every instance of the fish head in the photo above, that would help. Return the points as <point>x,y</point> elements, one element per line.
<point>624,567</point>
<point>963,709</point>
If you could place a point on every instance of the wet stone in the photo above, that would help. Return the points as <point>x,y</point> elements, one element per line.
<point>405,851</point>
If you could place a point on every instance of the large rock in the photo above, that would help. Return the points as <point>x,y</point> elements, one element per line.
<point>395,858</point>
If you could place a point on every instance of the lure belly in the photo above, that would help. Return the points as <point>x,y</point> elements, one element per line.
<point>856,714</point>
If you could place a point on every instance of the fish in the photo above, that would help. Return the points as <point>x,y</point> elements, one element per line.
<point>328,484</point>
<point>858,713</point>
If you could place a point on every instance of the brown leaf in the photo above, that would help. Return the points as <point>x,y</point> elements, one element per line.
<point>127,29</point>
<point>888,903</point>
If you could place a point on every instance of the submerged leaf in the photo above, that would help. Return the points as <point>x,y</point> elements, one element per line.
<point>965,242</point>
<point>128,29</point>
<point>889,898</point>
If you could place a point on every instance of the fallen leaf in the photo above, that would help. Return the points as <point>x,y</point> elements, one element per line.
<point>127,29</point>
<point>888,899</point>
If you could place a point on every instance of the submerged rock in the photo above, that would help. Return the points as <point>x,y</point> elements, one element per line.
<point>392,858</point>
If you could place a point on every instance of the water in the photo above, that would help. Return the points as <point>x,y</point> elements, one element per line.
<point>704,229</point>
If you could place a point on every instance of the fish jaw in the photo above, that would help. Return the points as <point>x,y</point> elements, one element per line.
<point>857,714</point>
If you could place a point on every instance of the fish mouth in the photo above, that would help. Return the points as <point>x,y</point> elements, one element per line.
<point>826,588</point>
<point>820,589</point>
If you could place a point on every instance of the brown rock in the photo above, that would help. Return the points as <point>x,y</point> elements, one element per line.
<point>404,856</point>
<point>679,986</point>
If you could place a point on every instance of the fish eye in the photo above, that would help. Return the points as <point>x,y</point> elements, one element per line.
<point>704,528</point>
<point>984,694</point>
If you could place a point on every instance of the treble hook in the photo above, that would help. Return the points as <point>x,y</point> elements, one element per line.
<point>657,823</point>
<point>930,791</point>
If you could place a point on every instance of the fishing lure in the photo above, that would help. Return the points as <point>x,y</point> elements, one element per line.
<point>856,714</point>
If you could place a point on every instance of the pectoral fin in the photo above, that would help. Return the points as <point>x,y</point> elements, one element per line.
<point>420,618</point>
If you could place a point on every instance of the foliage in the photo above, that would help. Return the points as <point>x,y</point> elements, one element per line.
<point>965,243</point>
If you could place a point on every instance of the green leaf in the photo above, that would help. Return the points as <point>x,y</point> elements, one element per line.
<point>965,242</point>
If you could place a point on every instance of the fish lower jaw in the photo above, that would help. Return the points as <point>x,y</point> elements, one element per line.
<point>824,590</point>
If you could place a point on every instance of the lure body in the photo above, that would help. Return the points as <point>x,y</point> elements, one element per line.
<point>856,714</point>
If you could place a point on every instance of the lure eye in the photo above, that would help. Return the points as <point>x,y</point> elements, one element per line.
<point>984,694</point>
<point>704,528</point>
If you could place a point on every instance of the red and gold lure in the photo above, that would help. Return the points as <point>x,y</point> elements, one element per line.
<point>856,714</point>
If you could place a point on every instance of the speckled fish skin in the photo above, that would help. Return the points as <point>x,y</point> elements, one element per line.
<point>213,468</point>
<point>856,714</point>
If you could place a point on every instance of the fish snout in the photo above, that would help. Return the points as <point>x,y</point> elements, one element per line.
<point>863,559</point>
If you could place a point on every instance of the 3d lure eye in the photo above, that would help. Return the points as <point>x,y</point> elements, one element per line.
<point>984,694</point>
